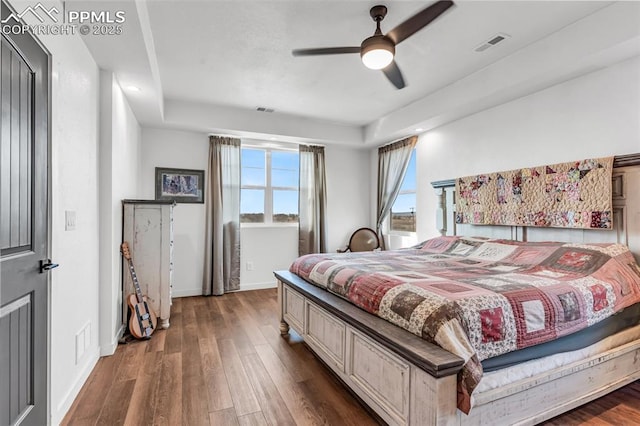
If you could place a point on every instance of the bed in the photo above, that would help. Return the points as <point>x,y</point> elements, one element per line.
<point>406,379</point>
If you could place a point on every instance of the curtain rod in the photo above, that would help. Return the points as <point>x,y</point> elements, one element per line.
<point>396,140</point>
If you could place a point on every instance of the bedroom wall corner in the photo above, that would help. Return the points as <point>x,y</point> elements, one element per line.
<point>348,205</point>
<point>182,150</point>
<point>348,193</point>
<point>120,140</point>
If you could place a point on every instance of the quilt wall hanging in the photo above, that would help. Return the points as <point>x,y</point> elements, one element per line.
<point>566,195</point>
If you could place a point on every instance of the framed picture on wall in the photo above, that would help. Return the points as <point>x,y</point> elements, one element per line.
<point>180,185</point>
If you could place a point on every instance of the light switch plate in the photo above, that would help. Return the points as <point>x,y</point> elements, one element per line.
<point>70,220</point>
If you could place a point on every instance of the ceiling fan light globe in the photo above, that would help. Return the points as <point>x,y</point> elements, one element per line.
<point>377,52</point>
<point>377,59</point>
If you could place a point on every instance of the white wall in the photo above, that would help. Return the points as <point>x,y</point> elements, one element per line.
<point>181,150</point>
<point>349,199</point>
<point>590,116</point>
<point>120,140</point>
<point>74,185</point>
<point>268,248</point>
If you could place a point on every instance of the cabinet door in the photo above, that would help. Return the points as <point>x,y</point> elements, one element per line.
<point>326,334</point>
<point>380,375</point>
<point>147,229</point>
<point>293,309</point>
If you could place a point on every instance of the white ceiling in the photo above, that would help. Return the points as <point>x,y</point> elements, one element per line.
<point>234,56</point>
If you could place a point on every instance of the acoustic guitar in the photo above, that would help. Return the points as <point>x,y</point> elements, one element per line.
<point>143,321</point>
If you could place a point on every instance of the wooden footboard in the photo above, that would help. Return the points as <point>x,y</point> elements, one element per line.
<point>403,378</point>
<point>408,381</point>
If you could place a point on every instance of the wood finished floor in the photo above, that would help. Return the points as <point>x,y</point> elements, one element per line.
<point>223,362</point>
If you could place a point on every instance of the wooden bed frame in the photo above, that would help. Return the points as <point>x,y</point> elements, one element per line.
<point>407,380</point>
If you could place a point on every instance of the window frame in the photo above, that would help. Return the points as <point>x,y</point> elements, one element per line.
<point>268,188</point>
<point>389,219</point>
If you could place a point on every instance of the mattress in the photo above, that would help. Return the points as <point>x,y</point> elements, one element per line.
<point>541,366</point>
<point>623,320</point>
<point>482,298</point>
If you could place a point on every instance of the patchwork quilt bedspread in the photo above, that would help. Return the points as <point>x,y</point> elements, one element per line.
<point>480,298</point>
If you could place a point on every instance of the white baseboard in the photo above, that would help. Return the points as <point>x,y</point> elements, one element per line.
<point>67,401</point>
<point>243,287</point>
<point>186,292</point>
<point>110,349</point>
<point>257,286</point>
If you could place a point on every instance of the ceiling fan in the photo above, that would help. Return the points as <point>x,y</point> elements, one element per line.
<point>377,52</point>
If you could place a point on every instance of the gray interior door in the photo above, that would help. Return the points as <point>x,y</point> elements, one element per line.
<point>24,244</point>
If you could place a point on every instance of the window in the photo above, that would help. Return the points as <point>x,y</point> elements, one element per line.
<point>269,186</point>
<point>403,211</point>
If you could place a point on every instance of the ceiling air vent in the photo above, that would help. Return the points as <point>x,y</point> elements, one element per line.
<point>500,37</point>
<point>263,109</point>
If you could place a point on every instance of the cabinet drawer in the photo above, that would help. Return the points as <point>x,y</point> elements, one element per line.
<point>380,374</point>
<point>326,335</point>
<point>293,309</point>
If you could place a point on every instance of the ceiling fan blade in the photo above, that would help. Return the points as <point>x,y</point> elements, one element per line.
<point>394,75</point>
<point>325,51</point>
<point>418,21</point>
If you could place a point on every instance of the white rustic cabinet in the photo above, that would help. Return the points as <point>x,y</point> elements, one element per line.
<point>148,228</point>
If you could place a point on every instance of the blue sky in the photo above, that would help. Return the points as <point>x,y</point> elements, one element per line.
<point>284,166</point>
<point>284,173</point>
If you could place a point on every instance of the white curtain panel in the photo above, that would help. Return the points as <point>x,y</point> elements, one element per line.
<point>393,161</point>
<point>312,231</point>
<point>222,201</point>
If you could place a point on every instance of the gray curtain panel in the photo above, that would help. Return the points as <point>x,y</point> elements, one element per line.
<point>312,231</point>
<point>222,201</point>
<point>393,161</point>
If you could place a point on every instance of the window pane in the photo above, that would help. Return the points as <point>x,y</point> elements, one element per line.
<point>253,167</point>
<point>409,182</point>
<point>284,169</point>
<point>282,173</point>
<point>286,178</point>
<point>284,160</point>
<point>403,213</point>
<point>252,176</point>
<point>285,206</point>
<point>253,157</point>
<point>252,205</point>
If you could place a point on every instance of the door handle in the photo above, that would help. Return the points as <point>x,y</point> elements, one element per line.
<point>47,265</point>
